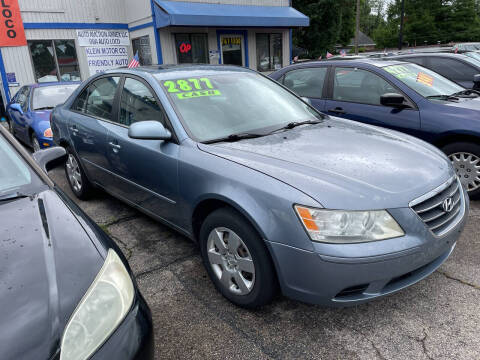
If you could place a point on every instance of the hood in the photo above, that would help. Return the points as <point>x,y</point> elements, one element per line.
<point>47,264</point>
<point>343,164</point>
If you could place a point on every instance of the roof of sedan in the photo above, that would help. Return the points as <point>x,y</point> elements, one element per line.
<point>374,62</point>
<point>55,83</point>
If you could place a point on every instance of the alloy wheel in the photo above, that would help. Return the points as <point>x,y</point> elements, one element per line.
<point>467,166</point>
<point>231,261</point>
<point>73,172</point>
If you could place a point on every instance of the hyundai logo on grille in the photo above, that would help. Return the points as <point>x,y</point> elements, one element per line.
<point>447,204</point>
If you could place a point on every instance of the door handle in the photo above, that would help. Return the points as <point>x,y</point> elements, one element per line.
<point>115,147</point>
<point>74,129</point>
<point>337,110</point>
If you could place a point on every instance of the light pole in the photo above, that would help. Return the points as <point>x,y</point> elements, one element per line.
<point>357,27</point>
<point>400,35</point>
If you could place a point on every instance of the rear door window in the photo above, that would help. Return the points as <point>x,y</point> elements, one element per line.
<point>306,82</point>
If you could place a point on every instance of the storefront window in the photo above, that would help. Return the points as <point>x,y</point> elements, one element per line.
<point>142,45</point>
<point>191,48</point>
<point>269,52</point>
<point>54,60</point>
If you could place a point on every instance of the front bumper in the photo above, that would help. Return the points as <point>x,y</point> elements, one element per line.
<point>348,274</point>
<point>133,339</point>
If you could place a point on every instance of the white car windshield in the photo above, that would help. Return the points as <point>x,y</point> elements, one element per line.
<point>425,82</point>
<point>47,97</point>
<point>219,105</point>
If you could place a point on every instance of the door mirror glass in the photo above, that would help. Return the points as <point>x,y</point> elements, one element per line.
<point>392,99</point>
<point>149,130</point>
<point>16,107</point>
<point>50,158</point>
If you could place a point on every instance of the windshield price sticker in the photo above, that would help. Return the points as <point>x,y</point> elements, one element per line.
<point>191,88</point>
<point>400,71</point>
<point>425,79</point>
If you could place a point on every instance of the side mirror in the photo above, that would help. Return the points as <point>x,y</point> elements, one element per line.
<point>16,107</point>
<point>50,158</point>
<point>392,100</point>
<point>307,100</point>
<point>149,130</point>
<point>476,82</point>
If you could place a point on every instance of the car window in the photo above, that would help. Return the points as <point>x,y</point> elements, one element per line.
<point>306,82</point>
<point>357,85</point>
<point>137,103</point>
<point>452,69</point>
<point>22,96</point>
<point>423,81</point>
<point>16,175</point>
<point>47,97</point>
<point>25,99</point>
<point>97,99</point>
<point>415,60</point>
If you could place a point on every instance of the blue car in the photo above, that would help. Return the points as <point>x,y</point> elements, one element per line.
<point>401,96</point>
<point>28,112</point>
<point>275,193</point>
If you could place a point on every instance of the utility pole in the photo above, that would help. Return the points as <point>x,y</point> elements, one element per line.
<point>357,27</point>
<point>400,35</point>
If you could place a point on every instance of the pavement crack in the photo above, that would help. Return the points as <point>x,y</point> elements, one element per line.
<point>120,220</point>
<point>163,266</point>
<point>451,277</point>
<point>424,346</point>
<point>372,343</point>
<point>128,251</point>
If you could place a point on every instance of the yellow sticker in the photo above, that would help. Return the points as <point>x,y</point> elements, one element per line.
<point>425,79</point>
<point>198,93</point>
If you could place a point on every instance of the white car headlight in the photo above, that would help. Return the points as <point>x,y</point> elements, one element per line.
<point>344,227</point>
<point>100,311</point>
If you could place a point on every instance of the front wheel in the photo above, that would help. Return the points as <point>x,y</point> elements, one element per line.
<point>34,142</point>
<point>76,177</point>
<point>237,260</point>
<point>465,158</point>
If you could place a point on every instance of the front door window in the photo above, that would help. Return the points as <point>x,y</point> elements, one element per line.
<point>232,49</point>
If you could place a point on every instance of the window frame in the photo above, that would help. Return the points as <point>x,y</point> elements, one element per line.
<point>57,66</point>
<point>324,92</point>
<point>269,34</point>
<point>331,79</point>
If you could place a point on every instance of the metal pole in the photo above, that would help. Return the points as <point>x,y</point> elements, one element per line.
<point>400,35</point>
<point>357,27</point>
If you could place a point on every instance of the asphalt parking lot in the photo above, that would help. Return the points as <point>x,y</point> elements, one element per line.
<point>437,318</point>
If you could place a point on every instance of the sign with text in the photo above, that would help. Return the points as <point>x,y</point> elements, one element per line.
<point>11,25</point>
<point>103,37</point>
<point>105,49</point>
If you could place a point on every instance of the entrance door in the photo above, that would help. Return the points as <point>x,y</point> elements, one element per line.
<point>232,49</point>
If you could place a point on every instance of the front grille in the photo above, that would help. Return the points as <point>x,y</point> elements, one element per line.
<point>431,210</point>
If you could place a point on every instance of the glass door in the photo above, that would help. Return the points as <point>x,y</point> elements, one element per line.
<point>232,50</point>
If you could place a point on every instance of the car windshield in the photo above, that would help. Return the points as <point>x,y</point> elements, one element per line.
<point>47,97</point>
<point>217,106</point>
<point>473,55</point>
<point>425,82</point>
<point>16,175</point>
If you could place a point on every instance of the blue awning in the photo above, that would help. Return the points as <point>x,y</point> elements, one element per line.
<point>176,13</point>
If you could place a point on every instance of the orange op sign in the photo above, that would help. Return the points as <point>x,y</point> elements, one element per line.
<point>11,25</point>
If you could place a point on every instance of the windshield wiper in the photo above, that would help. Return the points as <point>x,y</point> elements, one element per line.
<point>467,93</point>
<point>294,124</point>
<point>443,97</point>
<point>45,108</point>
<point>234,137</point>
<point>13,196</point>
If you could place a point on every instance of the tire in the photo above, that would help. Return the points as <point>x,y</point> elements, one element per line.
<point>246,286</point>
<point>34,142</point>
<point>465,157</point>
<point>76,178</point>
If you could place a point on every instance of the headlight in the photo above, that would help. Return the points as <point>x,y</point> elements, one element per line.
<point>343,227</point>
<point>48,133</point>
<point>100,311</point>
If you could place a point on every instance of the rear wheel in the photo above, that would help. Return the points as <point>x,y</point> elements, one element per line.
<point>76,177</point>
<point>465,158</point>
<point>34,142</point>
<point>237,260</point>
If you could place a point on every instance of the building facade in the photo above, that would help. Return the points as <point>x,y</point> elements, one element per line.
<point>70,40</point>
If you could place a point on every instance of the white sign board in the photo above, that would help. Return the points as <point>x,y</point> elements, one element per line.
<point>103,37</point>
<point>105,49</point>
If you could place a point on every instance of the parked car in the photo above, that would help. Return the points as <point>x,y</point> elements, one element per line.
<point>455,67</point>
<point>66,290</point>
<point>400,96</point>
<point>29,111</point>
<point>462,47</point>
<point>335,212</point>
<point>473,54</point>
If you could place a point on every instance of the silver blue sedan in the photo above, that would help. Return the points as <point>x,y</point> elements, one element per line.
<point>277,195</point>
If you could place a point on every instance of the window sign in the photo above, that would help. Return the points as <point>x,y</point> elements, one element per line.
<point>191,48</point>
<point>105,49</point>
